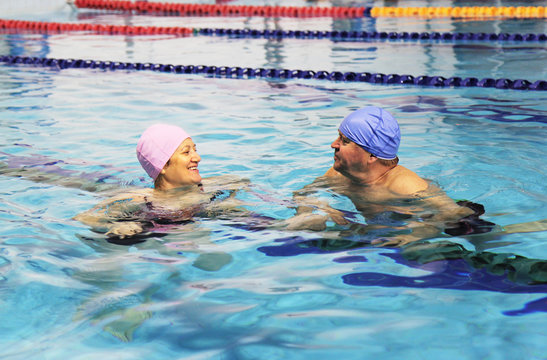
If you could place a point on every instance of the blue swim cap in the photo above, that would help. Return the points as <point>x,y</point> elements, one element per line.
<point>375,130</point>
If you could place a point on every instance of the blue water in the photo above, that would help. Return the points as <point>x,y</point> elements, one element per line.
<point>65,292</point>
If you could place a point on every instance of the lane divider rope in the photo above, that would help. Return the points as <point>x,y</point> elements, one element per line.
<point>178,9</point>
<point>250,73</point>
<point>53,27</point>
<point>221,10</point>
<point>461,11</point>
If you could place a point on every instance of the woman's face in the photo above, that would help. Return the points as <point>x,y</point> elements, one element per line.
<point>182,167</point>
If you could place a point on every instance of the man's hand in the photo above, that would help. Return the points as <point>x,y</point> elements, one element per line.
<point>306,221</point>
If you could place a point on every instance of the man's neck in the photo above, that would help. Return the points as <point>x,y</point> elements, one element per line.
<point>376,176</point>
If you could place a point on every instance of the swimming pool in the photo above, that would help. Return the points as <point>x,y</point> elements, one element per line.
<point>67,293</point>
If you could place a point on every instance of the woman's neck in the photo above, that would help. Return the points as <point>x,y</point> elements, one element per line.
<point>166,189</point>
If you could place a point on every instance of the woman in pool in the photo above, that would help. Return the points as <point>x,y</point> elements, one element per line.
<point>169,156</point>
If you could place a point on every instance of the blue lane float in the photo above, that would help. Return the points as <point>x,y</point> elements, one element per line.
<point>373,35</point>
<point>250,73</point>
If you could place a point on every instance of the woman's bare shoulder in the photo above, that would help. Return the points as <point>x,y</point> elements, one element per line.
<point>124,197</point>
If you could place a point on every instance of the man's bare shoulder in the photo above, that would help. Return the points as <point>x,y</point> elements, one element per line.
<point>405,182</point>
<point>331,173</point>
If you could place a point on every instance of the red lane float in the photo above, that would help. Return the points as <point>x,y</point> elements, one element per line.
<point>54,27</point>
<point>178,9</point>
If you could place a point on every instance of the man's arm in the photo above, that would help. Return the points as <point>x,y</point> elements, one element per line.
<point>313,213</point>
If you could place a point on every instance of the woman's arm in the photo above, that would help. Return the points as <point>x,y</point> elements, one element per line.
<point>115,217</point>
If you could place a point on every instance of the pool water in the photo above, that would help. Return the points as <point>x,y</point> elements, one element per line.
<point>65,292</point>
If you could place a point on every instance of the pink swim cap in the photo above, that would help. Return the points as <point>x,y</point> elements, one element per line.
<point>156,145</point>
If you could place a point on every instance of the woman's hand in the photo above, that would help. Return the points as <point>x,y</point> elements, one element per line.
<point>124,229</point>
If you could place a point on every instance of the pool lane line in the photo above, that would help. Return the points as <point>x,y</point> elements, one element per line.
<point>55,27</point>
<point>133,30</point>
<point>272,74</point>
<point>475,12</point>
<point>220,10</point>
<point>372,35</point>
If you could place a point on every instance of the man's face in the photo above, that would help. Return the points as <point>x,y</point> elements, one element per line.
<point>349,158</point>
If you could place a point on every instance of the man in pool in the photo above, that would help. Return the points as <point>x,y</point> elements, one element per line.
<point>365,154</point>
<point>366,169</point>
